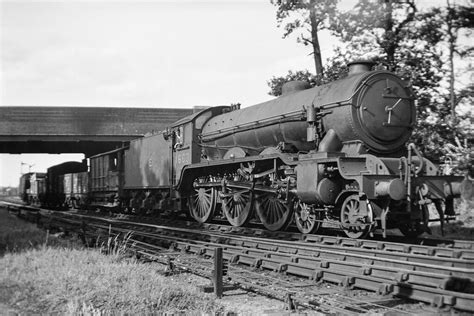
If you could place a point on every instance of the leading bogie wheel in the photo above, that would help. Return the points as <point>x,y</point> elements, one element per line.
<point>418,227</point>
<point>203,204</point>
<point>307,220</point>
<point>356,220</point>
<point>274,213</point>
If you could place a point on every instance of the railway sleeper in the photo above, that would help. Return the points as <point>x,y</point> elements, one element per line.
<point>423,293</point>
<point>347,282</point>
<point>270,265</point>
<point>392,259</point>
<point>271,262</point>
<point>438,298</point>
<point>390,273</point>
<point>327,274</point>
<point>460,250</point>
<point>442,252</point>
<point>248,260</point>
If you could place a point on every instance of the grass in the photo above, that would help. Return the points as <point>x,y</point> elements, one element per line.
<point>76,281</point>
<point>16,235</point>
<point>63,277</point>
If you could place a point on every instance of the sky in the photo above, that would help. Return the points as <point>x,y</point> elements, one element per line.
<point>147,53</point>
<point>180,53</point>
<point>138,54</point>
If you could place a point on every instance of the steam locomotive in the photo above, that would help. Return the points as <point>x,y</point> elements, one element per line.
<point>336,153</point>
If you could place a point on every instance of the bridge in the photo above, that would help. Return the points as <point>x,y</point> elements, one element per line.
<point>87,130</point>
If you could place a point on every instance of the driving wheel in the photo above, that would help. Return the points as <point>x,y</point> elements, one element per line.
<point>202,204</point>
<point>238,207</point>
<point>274,213</point>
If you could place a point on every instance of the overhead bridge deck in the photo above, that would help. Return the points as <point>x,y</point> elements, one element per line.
<point>88,130</point>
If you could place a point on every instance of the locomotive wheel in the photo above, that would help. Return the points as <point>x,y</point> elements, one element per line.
<point>274,213</point>
<point>238,207</point>
<point>202,204</point>
<point>351,215</point>
<point>307,221</point>
<point>413,230</point>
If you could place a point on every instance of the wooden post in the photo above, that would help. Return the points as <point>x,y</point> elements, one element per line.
<point>219,271</point>
<point>82,234</point>
<point>290,304</point>
<point>218,285</point>
<point>38,219</point>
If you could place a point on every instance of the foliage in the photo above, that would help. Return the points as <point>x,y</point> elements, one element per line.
<point>444,24</point>
<point>400,38</point>
<point>307,17</point>
<point>332,72</point>
<point>441,127</point>
<point>382,25</point>
<point>276,83</point>
<point>442,28</point>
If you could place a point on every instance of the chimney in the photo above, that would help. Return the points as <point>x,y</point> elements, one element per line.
<point>360,66</point>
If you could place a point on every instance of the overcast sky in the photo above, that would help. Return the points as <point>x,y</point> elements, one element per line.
<point>140,54</point>
<point>145,53</point>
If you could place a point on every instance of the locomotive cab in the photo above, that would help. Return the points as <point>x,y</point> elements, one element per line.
<point>184,135</point>
<point>153,164</point>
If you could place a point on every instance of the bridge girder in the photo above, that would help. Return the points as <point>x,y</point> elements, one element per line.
<point>87,130</point>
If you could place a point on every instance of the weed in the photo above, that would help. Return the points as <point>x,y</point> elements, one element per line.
<point>116,246</point>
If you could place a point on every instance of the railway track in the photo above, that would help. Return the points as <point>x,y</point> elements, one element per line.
<point>294,291</point>
<point>333,237</point>
<point>462,249</point>
<point>441,276</point>
<point>443,248</point>
<point>315,297</point>
<point>449,248</point>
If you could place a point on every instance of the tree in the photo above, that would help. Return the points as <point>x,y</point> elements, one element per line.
<point>384,23</point>
<point>441,28</point>
<point>309,17</point>
<point>444,25</point>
